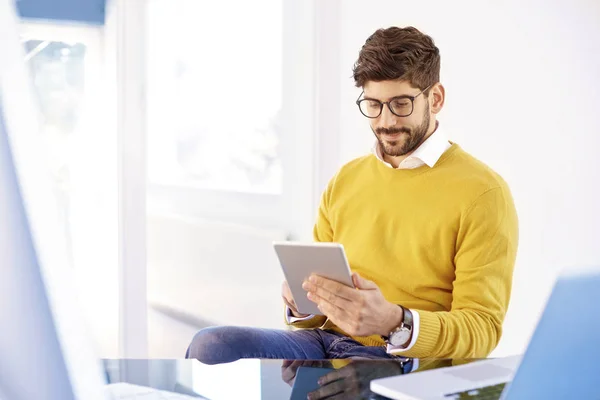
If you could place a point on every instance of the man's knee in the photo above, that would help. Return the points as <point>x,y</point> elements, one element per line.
<point>213,345</point>
<point>204,343</point>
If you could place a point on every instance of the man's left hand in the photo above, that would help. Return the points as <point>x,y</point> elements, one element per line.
<point>353,380</point>
<point>360,311</point>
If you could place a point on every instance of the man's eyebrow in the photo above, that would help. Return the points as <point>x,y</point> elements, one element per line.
<point>391,98</point>
<point>370,98</point>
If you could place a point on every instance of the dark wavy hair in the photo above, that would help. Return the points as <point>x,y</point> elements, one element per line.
<point>398,54</point>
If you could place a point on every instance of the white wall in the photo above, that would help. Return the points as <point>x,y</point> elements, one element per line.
<point>522,83</point>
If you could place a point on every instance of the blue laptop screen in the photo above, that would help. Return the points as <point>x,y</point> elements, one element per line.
<point>31,362</point>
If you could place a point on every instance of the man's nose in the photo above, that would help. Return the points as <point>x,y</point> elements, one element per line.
<point>387,119</point>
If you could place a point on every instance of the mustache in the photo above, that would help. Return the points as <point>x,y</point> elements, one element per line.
<point>392,131</point>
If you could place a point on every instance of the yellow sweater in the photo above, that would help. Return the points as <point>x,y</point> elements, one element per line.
<point>441,241</point>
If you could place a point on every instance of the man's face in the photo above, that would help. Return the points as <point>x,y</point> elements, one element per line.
<point>398,136</point>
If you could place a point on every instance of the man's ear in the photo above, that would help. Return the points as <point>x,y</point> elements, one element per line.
<point>437,95</point>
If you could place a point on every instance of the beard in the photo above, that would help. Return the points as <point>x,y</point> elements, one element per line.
<point>405,144</point>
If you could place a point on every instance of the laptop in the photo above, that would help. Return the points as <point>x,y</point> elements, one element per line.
<point>562,360</point>
<point>45,352</point>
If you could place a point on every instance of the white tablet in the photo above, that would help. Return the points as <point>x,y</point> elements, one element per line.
<point>300,260</point>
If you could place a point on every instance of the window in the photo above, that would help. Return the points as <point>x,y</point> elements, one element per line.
<point>67,71</point>
<point>215,94</point>
<point>57,57</point>
<point>230,121</point>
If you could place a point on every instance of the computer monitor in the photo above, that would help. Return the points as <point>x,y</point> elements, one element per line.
<point>45,352</point>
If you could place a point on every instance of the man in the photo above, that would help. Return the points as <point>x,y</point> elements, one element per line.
<point>429,231</point>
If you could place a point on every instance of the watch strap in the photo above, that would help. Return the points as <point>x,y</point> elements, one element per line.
<point>407,323</point>
<point>408,318</point>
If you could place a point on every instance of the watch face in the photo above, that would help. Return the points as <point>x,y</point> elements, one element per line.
<point>400,337</point>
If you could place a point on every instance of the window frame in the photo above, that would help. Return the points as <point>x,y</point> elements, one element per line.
<point>292,210</point>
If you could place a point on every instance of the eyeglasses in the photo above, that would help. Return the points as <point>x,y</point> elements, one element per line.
<point>401,106</point>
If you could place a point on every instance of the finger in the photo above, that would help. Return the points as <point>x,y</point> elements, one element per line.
<point>290,304</point>
<point>331,297</point>
<point>291,364</point>
<point>298,363</point>
<point>289,371</point>
<point>331,286</point>
<point>288,374</point>
<point>326,391</point>
<point>331,377</point>
<point>286,291</point>
<point>362,283</point>
<point>336,314</point>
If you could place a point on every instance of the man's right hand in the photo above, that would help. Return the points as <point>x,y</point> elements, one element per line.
<point>286,293</point>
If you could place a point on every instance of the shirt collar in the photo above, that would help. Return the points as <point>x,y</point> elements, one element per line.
<point>429,152</point>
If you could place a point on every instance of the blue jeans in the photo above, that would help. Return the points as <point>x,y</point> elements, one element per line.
<point>224,344</point>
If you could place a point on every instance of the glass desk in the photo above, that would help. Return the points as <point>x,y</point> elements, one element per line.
<point>265,379</point>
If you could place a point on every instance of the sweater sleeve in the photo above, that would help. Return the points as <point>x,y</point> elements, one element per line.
<point>322,232</point>
<point>486,247</point>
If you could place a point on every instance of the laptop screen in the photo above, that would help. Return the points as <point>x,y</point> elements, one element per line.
<point>44,350</point>
<point>31,363</point>
<point>561,361</point>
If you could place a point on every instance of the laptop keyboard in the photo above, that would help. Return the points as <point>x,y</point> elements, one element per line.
<point>486,393</point>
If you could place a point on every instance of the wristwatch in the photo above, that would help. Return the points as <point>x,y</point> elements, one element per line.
<point>401,335</point>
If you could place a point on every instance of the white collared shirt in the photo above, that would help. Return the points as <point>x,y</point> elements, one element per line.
<point>428,153</point>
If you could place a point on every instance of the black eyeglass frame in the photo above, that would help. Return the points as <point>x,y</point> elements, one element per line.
<point>382,103</point>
